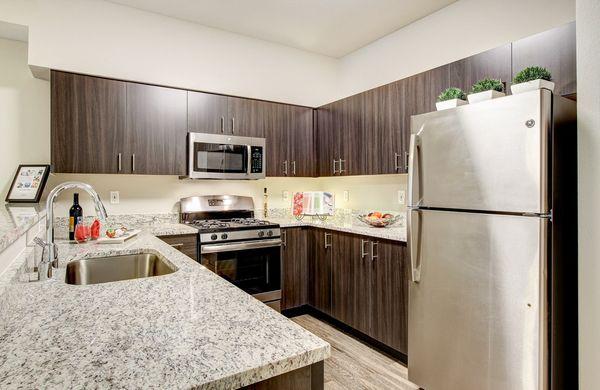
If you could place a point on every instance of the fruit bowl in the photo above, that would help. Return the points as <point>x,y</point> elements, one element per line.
<point>379,220</point>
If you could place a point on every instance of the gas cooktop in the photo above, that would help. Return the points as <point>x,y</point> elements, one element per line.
<point>210,225</point>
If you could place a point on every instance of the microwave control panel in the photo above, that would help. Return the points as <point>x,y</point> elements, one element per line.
<point>256,159</point>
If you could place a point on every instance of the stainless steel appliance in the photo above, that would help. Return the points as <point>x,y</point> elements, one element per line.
<point>492,240</point>
<point>218,156</point>
<point>243,250</point>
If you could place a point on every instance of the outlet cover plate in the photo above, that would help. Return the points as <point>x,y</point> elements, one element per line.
<point>346,195</point>
<point>401,196</point>
<point>114,197</point>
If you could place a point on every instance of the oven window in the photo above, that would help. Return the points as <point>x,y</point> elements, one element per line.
<point>226,158</point>
<point>254,270</point>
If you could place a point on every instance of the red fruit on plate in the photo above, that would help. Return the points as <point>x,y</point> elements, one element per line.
<point>95,230</point>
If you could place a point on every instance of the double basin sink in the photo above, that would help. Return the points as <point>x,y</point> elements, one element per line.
<point>115,268</point>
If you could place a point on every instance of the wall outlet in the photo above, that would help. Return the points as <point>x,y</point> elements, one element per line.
<point>114,197</point>
<point>401,196</point>
<point>346,195</point>
<point>285,195</point>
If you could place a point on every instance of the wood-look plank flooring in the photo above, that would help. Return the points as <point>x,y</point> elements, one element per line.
<point>353,364</point>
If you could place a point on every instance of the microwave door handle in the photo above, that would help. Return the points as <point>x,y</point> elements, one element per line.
<point>238,246</point>
<point>249,166</point>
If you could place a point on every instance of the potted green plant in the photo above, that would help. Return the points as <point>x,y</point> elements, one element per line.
<point>450,98</point>
<point>532,78</point>
<point>486,89</point>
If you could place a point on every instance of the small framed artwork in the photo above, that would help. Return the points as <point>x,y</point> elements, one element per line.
<point>28,183</point>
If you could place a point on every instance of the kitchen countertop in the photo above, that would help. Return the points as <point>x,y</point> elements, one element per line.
<point>186,329</point>
<point>15,220</point>
<point>395,232</point>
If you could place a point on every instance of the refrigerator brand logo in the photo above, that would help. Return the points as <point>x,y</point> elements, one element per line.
<point>530,123</point>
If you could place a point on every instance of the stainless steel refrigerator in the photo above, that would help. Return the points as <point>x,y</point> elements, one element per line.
<point>492,238</point>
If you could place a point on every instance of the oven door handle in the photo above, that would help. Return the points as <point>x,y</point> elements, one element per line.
<point>238,246</point>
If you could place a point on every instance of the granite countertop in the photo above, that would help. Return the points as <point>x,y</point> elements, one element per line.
<point>395,232</point>
<point>15,220</point>
<point>186,329</point>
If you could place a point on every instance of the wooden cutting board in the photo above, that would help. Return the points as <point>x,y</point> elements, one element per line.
<point>118,240</point>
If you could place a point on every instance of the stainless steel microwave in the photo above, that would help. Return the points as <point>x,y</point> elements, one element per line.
<point>218,156</point>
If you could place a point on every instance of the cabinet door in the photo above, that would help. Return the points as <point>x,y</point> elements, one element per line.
<point>390,295</point>
<point>185,243</point>
<point>376,136</point>
<point>326,151</point>
<point>247,117</point>
<point>301,147</point>
<point>494,63</point>
<point>294,259</point>
<point>276,139</point>
<point>395,135</point>
<point>87,123</point>
<point>207,113</point>
<point>319,284</point>
<point>351,280</point>
<point>156,130</point>
<point>350,135</point>
<point>554,50</point>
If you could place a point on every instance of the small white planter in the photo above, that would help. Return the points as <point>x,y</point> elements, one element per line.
<point>485,95</point>
<point>532,85</point>
<point>452,103</point>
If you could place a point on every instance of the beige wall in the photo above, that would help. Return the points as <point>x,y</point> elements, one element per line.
<point>588,117</point>
<point>459,30</point>
<point>24,113</point>
<point>107,39</point>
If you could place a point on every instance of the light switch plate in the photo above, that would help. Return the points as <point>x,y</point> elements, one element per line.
<point>114,197</point>
<point>401,196</point>
<point>285,195</point>
<point>346,195</point>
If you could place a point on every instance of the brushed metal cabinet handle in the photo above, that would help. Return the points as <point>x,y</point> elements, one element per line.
<point>133,162</point>
<point>119,162</point>
<point>294,168</point>
<point>285,168</point>
<point>396,166</point>
<point>232,125</point>
<point>178,245</point>
<point>342,167</point>
<point>406,158</point>
<point>222,124</point>
<point>363,252</point>
<point>334,171</point>
<point>284,238</point>
<point>327,243</point>
<point>374,250</point>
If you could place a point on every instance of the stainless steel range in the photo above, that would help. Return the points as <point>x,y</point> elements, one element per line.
<point>233,244</point>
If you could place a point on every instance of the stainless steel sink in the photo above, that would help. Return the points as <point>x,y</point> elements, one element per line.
<point>114,268</point>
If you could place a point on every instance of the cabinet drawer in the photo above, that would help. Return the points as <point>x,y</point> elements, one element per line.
<point>186,243</point>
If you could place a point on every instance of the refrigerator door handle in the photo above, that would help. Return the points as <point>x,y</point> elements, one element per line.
<point>413,170</point>
<point>413,233</point>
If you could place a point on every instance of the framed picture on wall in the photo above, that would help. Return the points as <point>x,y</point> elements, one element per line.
<point>28,184</point>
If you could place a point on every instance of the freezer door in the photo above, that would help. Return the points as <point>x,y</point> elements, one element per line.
<point>489,156</point>
<point>476,314</point>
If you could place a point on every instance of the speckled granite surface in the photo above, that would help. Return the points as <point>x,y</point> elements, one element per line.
<point>186,329</point>
<point>15,220</point>
<point>344,221</point>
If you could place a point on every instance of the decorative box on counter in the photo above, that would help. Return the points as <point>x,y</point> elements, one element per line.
<point>313,203</point>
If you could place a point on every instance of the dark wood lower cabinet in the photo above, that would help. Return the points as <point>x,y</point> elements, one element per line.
<point>186,243</point>
<point>294,260</point>
<point>319,263</point>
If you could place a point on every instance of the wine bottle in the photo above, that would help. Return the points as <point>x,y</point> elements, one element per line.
<point>75,216</point>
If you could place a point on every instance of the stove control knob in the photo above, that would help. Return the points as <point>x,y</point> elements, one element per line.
<point>270,233</point>
<point>261,233</point>
<point>213,237</point>
<point>224,236</point>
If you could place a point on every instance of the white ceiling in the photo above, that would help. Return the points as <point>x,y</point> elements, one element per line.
<point>331,27</point>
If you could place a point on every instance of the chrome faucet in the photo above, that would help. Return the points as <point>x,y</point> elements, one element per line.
<point>47,262</point>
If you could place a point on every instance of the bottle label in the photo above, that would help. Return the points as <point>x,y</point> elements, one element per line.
<point>71,224</point>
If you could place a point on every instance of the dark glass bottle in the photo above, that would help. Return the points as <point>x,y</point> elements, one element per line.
<point>75,216</point>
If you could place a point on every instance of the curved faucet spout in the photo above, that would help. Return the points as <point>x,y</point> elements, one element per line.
<point>45,267</point>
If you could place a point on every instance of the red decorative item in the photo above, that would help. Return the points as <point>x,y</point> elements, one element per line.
<point>82,232</point>
<point>298,205</point>
<point>95,229</point>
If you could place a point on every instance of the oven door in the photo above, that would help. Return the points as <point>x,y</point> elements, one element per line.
<point>216,156</point>
<point>253,266</point>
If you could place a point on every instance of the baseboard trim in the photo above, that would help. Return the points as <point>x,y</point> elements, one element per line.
<point>378,345</point>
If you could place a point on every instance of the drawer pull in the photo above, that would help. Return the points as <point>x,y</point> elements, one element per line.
<point>177,246</point>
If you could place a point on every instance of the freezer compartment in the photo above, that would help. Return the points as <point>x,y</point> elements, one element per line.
<point>489,156</point>
<point>477,306</point>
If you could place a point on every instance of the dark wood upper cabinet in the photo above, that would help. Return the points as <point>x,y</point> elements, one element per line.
<point>555,50</point>
<point>247,117</point>
<point>494,63</point>
<point>87,123</point>
<point>301,142</point>
<point>294,259</point>
<point>326,150</point>
<point>156,130</point>
<point>207,113</point>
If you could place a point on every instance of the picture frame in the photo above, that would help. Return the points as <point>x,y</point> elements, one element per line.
<point>28,184</point>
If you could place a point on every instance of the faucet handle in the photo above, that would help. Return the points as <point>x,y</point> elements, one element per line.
<point>44,245</point>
